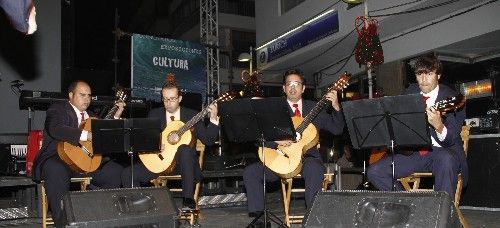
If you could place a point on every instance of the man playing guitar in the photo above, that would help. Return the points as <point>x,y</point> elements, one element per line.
<point>446,158</point>
<point>62,125</point>
<point>185,156</point>
<point>330,119</point>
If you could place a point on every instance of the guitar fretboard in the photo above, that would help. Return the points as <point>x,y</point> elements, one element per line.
<point>338,85</point>
<point>203,113</point>
<point>111,112</point>
<point>314,112</point>
<point>193,121</point>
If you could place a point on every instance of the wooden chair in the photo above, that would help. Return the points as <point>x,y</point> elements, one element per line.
<point>412,182</point>
<point>162,181</point>
<point>287,190</point>
<point>46,220</point>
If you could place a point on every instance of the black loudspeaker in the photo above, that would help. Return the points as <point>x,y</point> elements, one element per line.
<point>483,159</point>
<point>128,207</point>
<point>381,209</point>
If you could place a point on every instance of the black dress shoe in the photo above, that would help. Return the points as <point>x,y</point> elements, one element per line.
<point>189,203</point>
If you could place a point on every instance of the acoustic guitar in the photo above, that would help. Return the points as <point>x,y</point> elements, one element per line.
<point>82,158</point>
<point>443,106</point>
<point>286,162</point>
<point>174,135</point>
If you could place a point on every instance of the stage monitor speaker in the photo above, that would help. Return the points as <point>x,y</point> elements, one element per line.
<point>128,207</point>
<point>483,160</point>
<point>381,209</point>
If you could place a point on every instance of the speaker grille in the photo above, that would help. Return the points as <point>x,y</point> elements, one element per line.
<point>381,209</point>
<point>147,207</point>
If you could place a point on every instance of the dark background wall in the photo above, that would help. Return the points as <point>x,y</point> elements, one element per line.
<point>34,59</point>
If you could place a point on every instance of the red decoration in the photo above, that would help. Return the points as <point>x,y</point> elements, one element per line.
<point>252,84</point>
<point>170,79</point>
<point>368,48</point>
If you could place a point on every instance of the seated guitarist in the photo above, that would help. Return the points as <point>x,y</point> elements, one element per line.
<point>62,124</point>
<point>330,119</point>
<point>186,159</point>
<point>446,158</point>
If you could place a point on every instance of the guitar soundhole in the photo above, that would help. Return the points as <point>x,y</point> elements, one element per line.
<point>173,137</point>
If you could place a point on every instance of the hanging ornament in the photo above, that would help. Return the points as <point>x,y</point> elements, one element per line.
<point>252,84</point>
<point>368,47</point>
<point>170,79</point>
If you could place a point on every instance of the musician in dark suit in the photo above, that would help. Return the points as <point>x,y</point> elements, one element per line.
<point>186,159</point>
<point>21,14</point>
<point>446,158</point>
<point>313,169</point>
<point>62,124</point>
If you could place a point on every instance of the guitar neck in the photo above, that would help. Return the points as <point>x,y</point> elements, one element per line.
<point>111,112</point>
<point>314,112</point>
<point>193,121</point>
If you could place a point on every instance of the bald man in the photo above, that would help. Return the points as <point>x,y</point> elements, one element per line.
<point>62,124</point>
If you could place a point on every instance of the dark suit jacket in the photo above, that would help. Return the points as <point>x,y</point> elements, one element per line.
<point>61,124</point>
<point>17,11</point>
<point>208,134</point>
<point>328,119</point>
<point>453,122</point>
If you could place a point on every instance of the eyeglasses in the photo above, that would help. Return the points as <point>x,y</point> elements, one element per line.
<point>293,83</point>
<point>170,99</point>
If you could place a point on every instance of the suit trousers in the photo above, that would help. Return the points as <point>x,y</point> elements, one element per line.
<point>443,163</point>
<point>186,165</point>
<point>313,172</point>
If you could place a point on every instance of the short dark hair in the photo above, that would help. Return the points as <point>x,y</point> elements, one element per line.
<point>426,64</point>
<point>168,85</point>
<point>72,85</point>
<point>294,71</point>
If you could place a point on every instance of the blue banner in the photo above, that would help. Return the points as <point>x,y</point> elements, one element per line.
<point>301,37</point>
<point>154,57</point>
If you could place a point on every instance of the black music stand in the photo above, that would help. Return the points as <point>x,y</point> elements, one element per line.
<point>250,120</point>
<point>126,136</point>
<point>398,121</point>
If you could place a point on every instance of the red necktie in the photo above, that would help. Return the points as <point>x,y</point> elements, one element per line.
<point>83,116</point>
<point>424,151</point>
<point>172,118</point>
<point>425,100</point>
<point>296,112</point>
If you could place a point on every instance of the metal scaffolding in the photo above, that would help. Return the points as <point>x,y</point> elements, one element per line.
<point>209,36</point>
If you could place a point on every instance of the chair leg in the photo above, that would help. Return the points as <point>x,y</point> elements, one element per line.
<point>458,193</point>
<point>194,215</point>
<point>45,206</point>
<point>286,190</point>
<point>405,182</point>
<point>462,218</point>
<point>416,183</point>
<point>46,220</point>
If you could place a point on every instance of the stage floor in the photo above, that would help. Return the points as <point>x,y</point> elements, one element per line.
<point>236,216</point>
